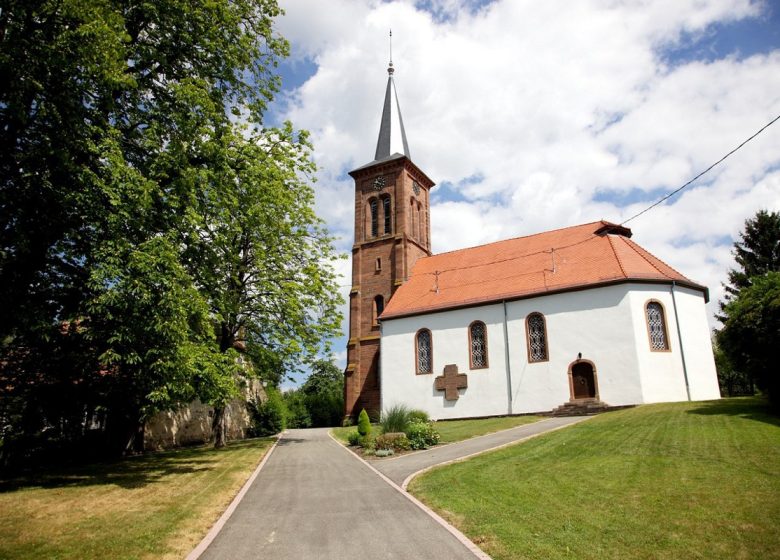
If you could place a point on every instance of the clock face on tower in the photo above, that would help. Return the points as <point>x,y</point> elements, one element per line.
<point>379,183</point>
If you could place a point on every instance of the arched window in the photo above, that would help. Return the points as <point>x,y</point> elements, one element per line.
<point>424,351</point>
<point>656,326</point>
<point>379,306</point>
<point>387,214</point>
<point>536,331</point>
<point>374,217</point>
<point>478,349</point>
<point>412,218</point>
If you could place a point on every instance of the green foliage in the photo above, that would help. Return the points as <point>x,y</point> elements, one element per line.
<point>146,220</point>
<point>751,333</point>
<point>395,419</point>
<point>324,394</point>
<point>364,425</point>
<point>757,252</point>
<point>421,435</point>
<point>367,442</point>
<point>268,416</point>
<point>297,413</point>
<point>416,415</point>
<point>354,438</point>
<point>394,441</point>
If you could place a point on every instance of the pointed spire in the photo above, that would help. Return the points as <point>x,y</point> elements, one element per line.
<point>392,136</point>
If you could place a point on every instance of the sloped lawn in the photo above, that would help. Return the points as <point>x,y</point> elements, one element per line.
<point>154,506</point>
<point>683,480</point>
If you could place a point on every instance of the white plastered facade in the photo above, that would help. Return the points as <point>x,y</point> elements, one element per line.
<point>607,325</point>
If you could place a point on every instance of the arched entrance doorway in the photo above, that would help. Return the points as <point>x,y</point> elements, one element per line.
<point>582,380</point>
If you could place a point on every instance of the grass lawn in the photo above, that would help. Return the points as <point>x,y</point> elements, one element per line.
<point>682,480</point>
<point>155,506</point>
<point>455,430</point>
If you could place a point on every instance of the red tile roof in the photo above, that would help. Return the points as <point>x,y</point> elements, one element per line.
<point>565,259</point>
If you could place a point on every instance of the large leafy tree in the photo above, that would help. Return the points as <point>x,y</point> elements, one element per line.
<point>324,394</point>
<point>751,332</point>
<point>119,156</point>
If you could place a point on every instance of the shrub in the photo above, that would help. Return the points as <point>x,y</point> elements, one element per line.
<point>268,416</point>
<point>364,424</point>
<point>353,438</point>
<point>417,415</point>
<point>422,435</point>
<point>395,419</point>
<point>383,452</point>
<point>396,441</point>
<point>367,442</point>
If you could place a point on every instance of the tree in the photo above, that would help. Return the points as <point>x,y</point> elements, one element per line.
<point>324,394</point>
<point>121,150</point>
<point>757,252</point>
<point>751,332</point>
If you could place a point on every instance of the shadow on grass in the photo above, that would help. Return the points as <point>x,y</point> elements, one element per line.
<point>752,408</point>
<point>131,472</point>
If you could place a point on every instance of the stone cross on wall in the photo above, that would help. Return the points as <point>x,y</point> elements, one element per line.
<point>451,381</point>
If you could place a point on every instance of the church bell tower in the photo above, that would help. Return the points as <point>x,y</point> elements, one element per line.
<point>392,231</point>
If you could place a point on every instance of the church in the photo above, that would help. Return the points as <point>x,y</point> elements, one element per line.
<point>575,317</point>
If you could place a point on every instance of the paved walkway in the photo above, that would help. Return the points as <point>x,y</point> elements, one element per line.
<point>397,469</point>
<point>313,499</point>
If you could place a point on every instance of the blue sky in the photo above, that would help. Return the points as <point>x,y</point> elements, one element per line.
<point>536,115</point>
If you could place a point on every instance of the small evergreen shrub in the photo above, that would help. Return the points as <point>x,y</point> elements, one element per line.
<point>422,435</point>
<point>367,442</point>
<point>353,438</point>
<point>395,419</point>
<point>383,452</point>
<point>364,424</point>
<point>416,415</point>
<point>395,441</point>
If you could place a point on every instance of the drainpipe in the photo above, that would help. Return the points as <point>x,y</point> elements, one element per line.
<point>508,367</point>
<point>679,338</point>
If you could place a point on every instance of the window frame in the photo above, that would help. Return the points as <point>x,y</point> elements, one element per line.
<point>387,211</point>
<point>379,301</point>
<point>484,343</point>
<point>531,359</point>
<point>664,327</point>
<point>417,351</point>
<point>373,211</point>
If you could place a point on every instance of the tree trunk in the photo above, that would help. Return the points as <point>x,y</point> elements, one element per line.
<point>219,427</point>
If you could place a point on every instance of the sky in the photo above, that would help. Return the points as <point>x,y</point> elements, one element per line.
<point>532,116</point>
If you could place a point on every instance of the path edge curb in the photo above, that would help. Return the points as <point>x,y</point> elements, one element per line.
<point>220,523</point>
<point>463,539</point>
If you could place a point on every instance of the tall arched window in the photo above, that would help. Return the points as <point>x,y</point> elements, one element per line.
<point>412,219</point>
<point>478,349</point>
<point>379,306</point>
<point>656,326</point>
<point>536,331</point>
<point>374,217</point>
<point>424,351</point>
<point>387,214</point>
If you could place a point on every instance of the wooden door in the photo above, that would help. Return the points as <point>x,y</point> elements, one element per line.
<point>582,381</point>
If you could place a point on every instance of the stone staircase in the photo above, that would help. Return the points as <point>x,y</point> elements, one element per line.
<point>581,407</point>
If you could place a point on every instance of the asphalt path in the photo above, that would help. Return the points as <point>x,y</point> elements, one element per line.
<point>312,499</point>
<point>399,468</point>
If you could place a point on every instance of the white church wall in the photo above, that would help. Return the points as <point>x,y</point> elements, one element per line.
<point>486,394</point>
<point>593,322</point>
<point>662,373</point>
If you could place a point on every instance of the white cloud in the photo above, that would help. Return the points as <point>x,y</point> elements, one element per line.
<point>559,109</point>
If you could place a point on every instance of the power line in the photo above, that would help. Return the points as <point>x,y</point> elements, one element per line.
<point>674,192</point>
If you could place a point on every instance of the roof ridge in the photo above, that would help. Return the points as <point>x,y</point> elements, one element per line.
<point>617,257</point>
<point>514,238</point>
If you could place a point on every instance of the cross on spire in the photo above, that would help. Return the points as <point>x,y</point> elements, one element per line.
<point>450,382</point>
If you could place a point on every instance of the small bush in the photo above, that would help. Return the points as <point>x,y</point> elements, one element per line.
<point>417,415</point>
<point>367,442</point>
<point>395,441</point>
<point>383,452</point>
<point>395,419</point>
<point>268,416</point>
<point>422,435</point>
<point>364,424</point>
<point>353,438</point>
<point>348,421</point>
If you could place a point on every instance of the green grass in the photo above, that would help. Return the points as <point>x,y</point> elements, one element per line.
<point>455,430</point>
<point>667,481</point>
<point>153,506</point>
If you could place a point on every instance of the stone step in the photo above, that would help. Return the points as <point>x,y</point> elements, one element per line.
<point>580,407</point>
